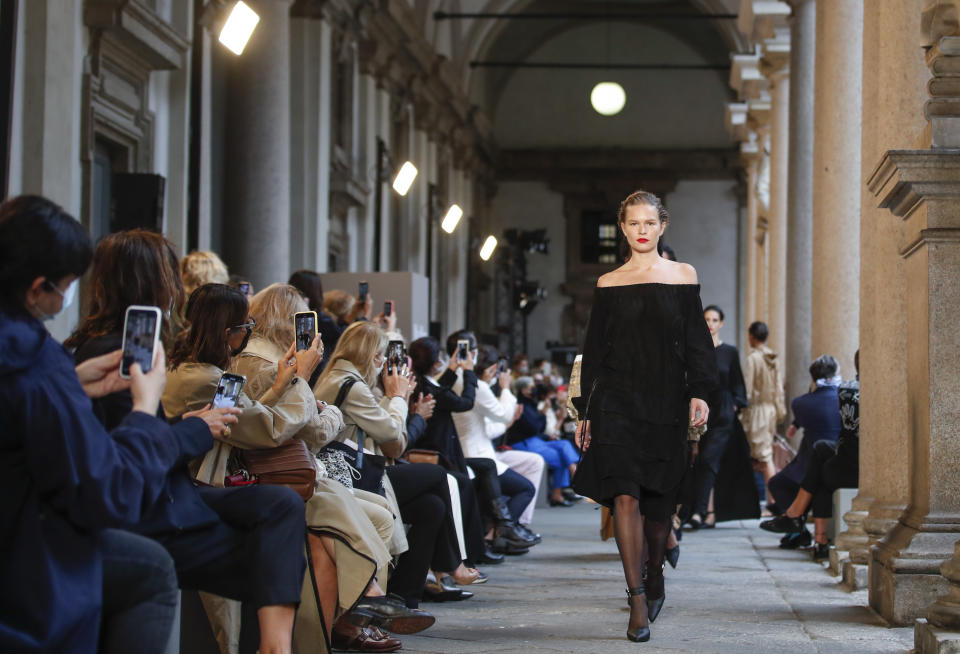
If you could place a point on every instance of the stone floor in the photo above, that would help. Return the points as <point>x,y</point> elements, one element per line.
<point>734,591</point>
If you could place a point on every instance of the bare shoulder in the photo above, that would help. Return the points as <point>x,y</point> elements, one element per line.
<point>611,278</point>
<point>682,273</point>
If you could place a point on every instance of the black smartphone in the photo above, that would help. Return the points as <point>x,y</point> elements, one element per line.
<point>141,334</point>
<point>362,295</point>
<point>463,349</point>
<point>388,308</point>
<point>305,325</point>
<point>396,354</point>
<point>228,390</point>
<point>502,365</point>
<point>244,288</point>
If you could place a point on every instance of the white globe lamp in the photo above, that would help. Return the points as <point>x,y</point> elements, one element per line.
<point>608,98</point>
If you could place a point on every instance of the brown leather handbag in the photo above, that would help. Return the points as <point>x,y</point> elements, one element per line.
<point>291,464</point>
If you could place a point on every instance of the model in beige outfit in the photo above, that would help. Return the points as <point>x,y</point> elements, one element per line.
<point>766,400</point>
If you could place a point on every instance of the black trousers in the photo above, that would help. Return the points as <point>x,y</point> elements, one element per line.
<point>254,554</point>
<point>472,517</point>
<point>713,444</point>
<point>826,472</point>
<point>424,499</point>
<point>491,486</point>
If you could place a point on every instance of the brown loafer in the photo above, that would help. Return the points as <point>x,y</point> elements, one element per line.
<point>349,638</point>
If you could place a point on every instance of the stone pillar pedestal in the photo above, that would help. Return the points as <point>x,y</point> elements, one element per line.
<point>257,165</point>
<point>922,188</point>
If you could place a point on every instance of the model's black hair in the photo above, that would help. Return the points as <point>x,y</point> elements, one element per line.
<point>759,331</point>
<point>823,367</point>
<point>714,307</point>
<point>667,252</point>
<point>38,239</point>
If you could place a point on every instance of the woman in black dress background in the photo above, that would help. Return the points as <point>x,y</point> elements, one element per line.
<point>726,401</point>
<point>648,367</point>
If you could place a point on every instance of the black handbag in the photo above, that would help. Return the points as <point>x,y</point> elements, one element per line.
<point>370,467</point>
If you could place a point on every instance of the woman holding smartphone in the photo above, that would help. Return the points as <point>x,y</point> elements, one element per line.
<point>419,490</point>
<point>357,528</point>
<point>255,531</point>
<point>648,365</point>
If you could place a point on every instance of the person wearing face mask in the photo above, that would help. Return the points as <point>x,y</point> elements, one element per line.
<point>818,413</point>
<point>69,580</point>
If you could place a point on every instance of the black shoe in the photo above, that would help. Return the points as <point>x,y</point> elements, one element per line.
<point>821,551</point>
<point>534,538</point>
<point>796,541</point>
<point>654,606</point>
<point>503,546</point>
<point>438,591</point>
<point>672,556</point>
<point>774,509</point>
<point>489,557</point>
<point>389,612</point>
<point>513,533</point>
<point>695,523</point>
<point>563,502</point>
<point>640,634</point>
<point>782,524</point>
<point>570,494</point>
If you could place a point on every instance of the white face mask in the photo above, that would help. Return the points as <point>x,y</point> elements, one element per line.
<point>68,296</point>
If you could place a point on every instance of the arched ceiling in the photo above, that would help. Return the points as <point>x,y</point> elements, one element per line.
<point>532,108</point>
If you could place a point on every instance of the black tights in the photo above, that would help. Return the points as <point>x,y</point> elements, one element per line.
<point>632,532</point>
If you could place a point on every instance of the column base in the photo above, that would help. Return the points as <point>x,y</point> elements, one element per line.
<point>855,576</point>
<point>837,558</point>
<point>904,572</point>
<point>928,639</point>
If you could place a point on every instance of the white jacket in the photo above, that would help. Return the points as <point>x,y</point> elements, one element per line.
<point>488,419</point>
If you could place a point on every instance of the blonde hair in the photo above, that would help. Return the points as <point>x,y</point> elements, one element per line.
<point>358,344</point>
<point>202,267</point>
<point>338,303</point>
<point>273,309</point>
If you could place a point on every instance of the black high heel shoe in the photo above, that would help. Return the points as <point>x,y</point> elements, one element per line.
<point>673,556</point>
<point>640,634</point>
<point>654,606</point>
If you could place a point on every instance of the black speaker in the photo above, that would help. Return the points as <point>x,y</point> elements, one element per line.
<point>136,200</point>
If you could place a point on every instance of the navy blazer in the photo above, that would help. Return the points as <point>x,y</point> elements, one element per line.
<point>530,423</point>
<point>62,479</point>
<point>818,412</point>
<point>180,506</point>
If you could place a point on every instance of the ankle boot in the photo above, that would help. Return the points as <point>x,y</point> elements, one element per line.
<point>507,526</point>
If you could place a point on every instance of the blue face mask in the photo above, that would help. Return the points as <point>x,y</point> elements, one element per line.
<point>68,296</point>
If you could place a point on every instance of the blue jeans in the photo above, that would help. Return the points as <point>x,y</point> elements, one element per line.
<point>139,593</point>
<point>559,456</point>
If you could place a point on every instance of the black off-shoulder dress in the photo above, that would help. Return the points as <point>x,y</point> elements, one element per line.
<point>647,352</point>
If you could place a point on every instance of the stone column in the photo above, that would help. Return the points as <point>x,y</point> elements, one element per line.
<point>257,164</point>
<point>777,215</point>
<point>836,218</point>
<point>894,77</point>
<point>799,264</point>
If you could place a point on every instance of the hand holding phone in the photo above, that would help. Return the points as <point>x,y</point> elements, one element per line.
<point>388,308</point>
<point>228,390</point>
<point>141,334</point>
<point>147,389</point>
<point>362,292</point>
<point>305,328</point>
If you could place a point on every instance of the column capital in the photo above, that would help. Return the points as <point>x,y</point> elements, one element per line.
<point>745,75</point>
<point>757,19</point>
<point>775,55</point>
<point>939,18</point>
<point>906,179</point>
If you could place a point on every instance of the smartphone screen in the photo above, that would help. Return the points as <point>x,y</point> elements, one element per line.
<point>244,288</point>
<point>502,365</point>
<point>388,308</point>
<point>395,354</point>
<point>362,296</point>
<point>228,390</point>
<point>141,332</point>
<point>305,324</point>
<point>463,349</point>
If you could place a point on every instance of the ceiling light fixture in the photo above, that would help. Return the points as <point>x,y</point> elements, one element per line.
<point>451,218</point>
<point>238,28</point>
<point>486,251</point>
<point>608,98</point>
<point>404,179</point>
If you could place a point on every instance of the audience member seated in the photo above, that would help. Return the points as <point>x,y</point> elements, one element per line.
<point>202,267</point>
<point>240,543</point>
<point>418,491</point>
<point>356,526</point>
<point>471,427</point>
<point>831,466</point>
<point>818,413</point>
<point>527,434</point>
<point>69,581</point>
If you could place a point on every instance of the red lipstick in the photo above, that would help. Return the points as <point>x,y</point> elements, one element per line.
<point>642,240</point>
